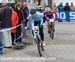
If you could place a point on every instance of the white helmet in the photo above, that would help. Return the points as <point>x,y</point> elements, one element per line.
<point>47,9</point>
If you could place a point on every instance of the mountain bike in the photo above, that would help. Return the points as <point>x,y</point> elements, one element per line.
<point>51,28</point>
<point>38,40</point>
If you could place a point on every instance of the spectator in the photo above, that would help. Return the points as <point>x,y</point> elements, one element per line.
<point>19,12</point>
<point>0,29</point>
<point>6,24</point>
<point>54,7</point>
<point>26,12</point>
<point>43,7</point>
<point>72,7</point>
<point>1,9</point>
<point>67,9</point>
<point>7,13</point>
<point>39,2</point>
<point>23,0</point>
<point>14,22</point>
<point>60,8</point>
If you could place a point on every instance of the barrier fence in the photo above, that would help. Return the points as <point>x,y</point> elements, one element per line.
<point>5,35</point>
<point>3,31</point>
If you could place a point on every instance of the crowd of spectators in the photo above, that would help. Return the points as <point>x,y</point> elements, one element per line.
<point>13,15</point>
<point>61,7</point>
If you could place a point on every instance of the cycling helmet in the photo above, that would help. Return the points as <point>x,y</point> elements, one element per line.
<point>33,11</point>
<point>47,9</point>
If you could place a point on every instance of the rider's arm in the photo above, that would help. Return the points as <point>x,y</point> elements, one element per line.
<point>45,15</point>
<point>32,21</point>
<point>41,21</point>
<point>40,15</point>
<point>32,24</point>
<point>53,12</point>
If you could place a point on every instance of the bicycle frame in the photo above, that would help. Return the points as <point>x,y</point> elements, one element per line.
<point>51,24</point>
<point>36,34</point>
<point>37,39</point>
<point>51,27</point>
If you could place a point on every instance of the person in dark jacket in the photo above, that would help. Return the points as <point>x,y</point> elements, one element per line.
<point>18,30</point>
<point>6,24</point>
<point>26,12</point>
<point>0,31</point>
<point>1,9</point>
<point>67,9</point>
<point>6,14</point>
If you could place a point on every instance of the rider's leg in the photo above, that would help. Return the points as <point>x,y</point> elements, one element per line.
<point>54,26</point>
<point>32,33</point>
<point>41,33</point>
<point>48,26</point>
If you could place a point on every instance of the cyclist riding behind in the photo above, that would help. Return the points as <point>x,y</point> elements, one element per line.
<point>37,18</point>
<point>48,14</point>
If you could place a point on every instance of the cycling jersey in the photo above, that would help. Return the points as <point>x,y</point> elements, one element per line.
<point>50,14</point>
<point>37,17</point>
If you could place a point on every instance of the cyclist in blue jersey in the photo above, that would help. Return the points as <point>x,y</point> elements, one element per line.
<point>37,18</point>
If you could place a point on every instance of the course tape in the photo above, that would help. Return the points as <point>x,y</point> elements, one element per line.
<point>3,30</point>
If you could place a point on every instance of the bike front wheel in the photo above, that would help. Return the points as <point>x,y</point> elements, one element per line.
<point>52,35</point>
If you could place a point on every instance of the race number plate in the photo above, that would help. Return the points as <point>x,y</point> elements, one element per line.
<point>51,20</point>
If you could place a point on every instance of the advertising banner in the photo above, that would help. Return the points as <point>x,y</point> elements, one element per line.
<point>66,15</point>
